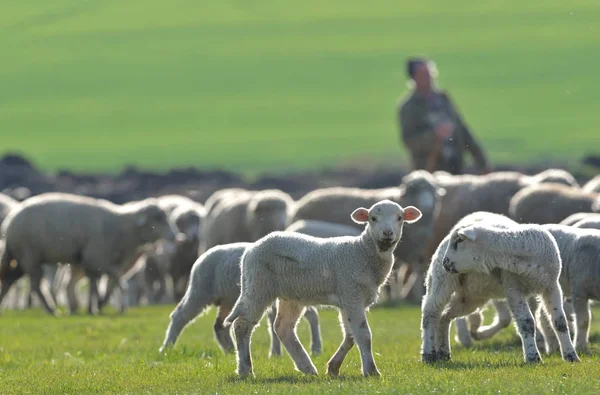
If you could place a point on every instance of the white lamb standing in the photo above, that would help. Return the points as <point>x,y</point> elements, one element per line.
<point>298,270</point>
<point>489,256</point>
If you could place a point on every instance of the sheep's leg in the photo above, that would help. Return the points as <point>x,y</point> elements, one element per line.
<point>288,315</point>
<point>312,316</point>
<point>553,304</point>
<point>71,288</point>
<point>363,338</point>
<point>525,324</point>
<point>436,298</point>
<point>243,328</point>
<point>186,310</point>
<point>459,306</point>
<point>570,313</point>
<point>547,338</point>
<point>8,281</point>
<point>502,319</point>
<point>35,279</point>
<point>93,298</point>
<point>583,318</point>
<point>222,333</point>
<point>462,330</point>
<point>334,364</point>
<point>275,350</point>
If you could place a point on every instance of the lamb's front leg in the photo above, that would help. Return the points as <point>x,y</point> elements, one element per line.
<point>362,335</point>
<point>524,322</point>
<point>312,316</point>
<point>553,303</point>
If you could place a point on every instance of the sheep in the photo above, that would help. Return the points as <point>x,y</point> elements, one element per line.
<point>489,256</point>
<point>550,203</point>
<point>574,218</point>
<point>222,195</point>
<point>579,279</point>
<point>246,217</point>
<point>593,185</point>
<point>322,228</point>
<point>59,227</point>
<point>297,270</point>
<point>214,280</point>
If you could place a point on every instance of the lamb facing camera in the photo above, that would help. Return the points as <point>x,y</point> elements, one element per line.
<point>297,270</point>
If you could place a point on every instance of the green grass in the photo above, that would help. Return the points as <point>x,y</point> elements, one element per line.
<point>118,354</point>
<point>259,85</point>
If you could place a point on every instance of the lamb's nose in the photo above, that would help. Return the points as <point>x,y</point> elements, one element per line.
<point>445,263</point>
<point>388,233</point>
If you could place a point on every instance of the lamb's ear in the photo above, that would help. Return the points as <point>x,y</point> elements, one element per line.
<point>412,214</point>
<point>468,233</point>
<point>360,215</point>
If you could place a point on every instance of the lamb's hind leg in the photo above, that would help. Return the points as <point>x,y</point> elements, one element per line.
<point>288,315</point>
<point>334,364</point>
<point>583,316</point>
<point>312,316</point>
<point>438,292</point>
<point>275,350</point>
<point>459,306</point>
<point>222,333</point>
<point>525,324</point>
<point>553,303</point>
<point>502,319</point>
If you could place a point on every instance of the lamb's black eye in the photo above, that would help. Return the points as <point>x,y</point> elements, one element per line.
<point>373,219</point>
<point>400,218</point>
<point>455,245</point>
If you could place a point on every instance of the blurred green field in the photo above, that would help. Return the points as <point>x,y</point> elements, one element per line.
<point>257,85</point>
<point>118,354</point>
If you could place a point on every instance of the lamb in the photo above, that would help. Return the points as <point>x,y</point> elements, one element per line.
<point>59,227</point>
<point>298,270</point>
<point>550,203</point>
<point>489,256</point>
<point>222,195</point>
<point>593,185</point>
<point>246,217</point>
<point>215,281</point>
<point>574,218</point>
<point>591,222</point>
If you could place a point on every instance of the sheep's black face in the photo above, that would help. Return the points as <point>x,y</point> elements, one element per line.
<point>449,266</point>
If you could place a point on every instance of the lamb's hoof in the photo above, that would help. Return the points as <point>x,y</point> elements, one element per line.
<point>243,374</point>
<point>571,357</point>
<point>310,371</point>
<point>275,354</point>
<point>429,357</point>
<point>534,358</point>
<point>443,356</point>
<point>333,369</point>
<point>475,335</point>
<point>316,351</point>
<point>372,373</point>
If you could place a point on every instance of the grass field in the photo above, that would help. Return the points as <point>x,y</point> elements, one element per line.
<point>118,354</point>
<point>256,85</point>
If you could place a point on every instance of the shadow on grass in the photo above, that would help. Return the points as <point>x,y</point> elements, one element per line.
<point>293,379</point>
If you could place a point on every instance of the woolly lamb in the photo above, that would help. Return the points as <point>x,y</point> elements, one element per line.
<point>215,281</point>
<point>299,270</point>
<point>247,217</point>
<point>58,227</point>
<point>550,203</point>
<point>488,256</point>
<point>593,185</point>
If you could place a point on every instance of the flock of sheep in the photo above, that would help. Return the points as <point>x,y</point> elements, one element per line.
<point>529,245</point>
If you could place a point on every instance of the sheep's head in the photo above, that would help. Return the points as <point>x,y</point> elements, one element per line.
<point>188,219</point>
<point>267,212</point>
<point>461,254</point>
<point>152,223</point>
<point>385,220</point>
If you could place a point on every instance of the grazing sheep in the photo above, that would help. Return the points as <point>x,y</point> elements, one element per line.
<point>215,281</point>
<point>222,195</point>
<point>489,256</point>
<point>58,227</point>
<point>550,203</point>
<point>299,270</point>
<point>246,217</point>
<point>593,185</point>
